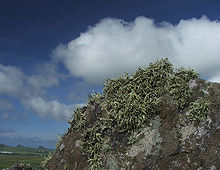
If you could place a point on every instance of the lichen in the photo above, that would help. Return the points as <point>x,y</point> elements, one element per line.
<point>94,143</point>
<point>79,119</point>
<point>133,137</point>
<point>112,163</point>
<point>151,137</point>
<point>95,98</point>
<point>46,160</point>
<point>199,110</point>
<point>91,145</point>
<point>62,146</point>
<point>133,100</point>
<point>127,104</point>
<point>186,131</point>
<point>180,86</point>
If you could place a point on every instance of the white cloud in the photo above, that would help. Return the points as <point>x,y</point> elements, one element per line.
<point>30,91</point>
<point>114,46</point>
<point>46,76</point>
<point>55,109</point>
<point>11,80</point>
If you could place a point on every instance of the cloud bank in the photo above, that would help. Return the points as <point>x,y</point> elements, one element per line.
<point>29,89</point>
<point>114,46</point>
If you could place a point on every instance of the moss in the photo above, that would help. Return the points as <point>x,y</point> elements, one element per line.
<point>199,110</point>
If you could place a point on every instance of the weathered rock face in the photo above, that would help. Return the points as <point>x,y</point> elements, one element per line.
<point>155,119</point>
<point>168,141</point>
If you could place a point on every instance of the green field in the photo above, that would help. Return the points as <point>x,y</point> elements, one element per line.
<point>9,160</point>
<point>32,156</point>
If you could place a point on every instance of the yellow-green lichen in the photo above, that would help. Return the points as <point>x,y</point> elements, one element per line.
<point>132,100</point>
<point>128,102</point>
<point>199,110</point>
<point>132,138</point>
<point>95,98</point>
<point>60,138</point>
<point>79,119</point>
<point>151,136</point>
<point>179,86</point>
<point>45,161</point>
<point>92,145</point>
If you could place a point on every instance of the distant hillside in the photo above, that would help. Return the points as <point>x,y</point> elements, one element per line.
<point>22,150</point>
<point>2,145</point>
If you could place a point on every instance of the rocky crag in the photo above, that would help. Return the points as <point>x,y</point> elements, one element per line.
<point>157,118</point>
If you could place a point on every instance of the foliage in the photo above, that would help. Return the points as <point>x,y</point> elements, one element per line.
<point>199,110</point>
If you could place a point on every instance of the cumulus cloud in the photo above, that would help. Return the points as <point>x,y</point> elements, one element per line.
<point>55,109</point>
<point>11,80</point>
<point>45,76</point>
<point>29,89</point>
<point>114,46</point>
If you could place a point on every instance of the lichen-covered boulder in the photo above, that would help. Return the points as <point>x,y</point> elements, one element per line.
<point>157,118</point>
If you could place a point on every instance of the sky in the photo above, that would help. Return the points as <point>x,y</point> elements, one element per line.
<point>54,53</point>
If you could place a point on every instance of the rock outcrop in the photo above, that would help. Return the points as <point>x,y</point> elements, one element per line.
<point>157,118</point>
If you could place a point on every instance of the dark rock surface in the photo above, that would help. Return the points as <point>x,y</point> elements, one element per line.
<point>168,141</point>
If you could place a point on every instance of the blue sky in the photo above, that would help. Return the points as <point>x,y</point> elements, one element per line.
<point>54,53</point>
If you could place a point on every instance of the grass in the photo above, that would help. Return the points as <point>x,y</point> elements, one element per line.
<point>9,160</point>
<point>29,155</point>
